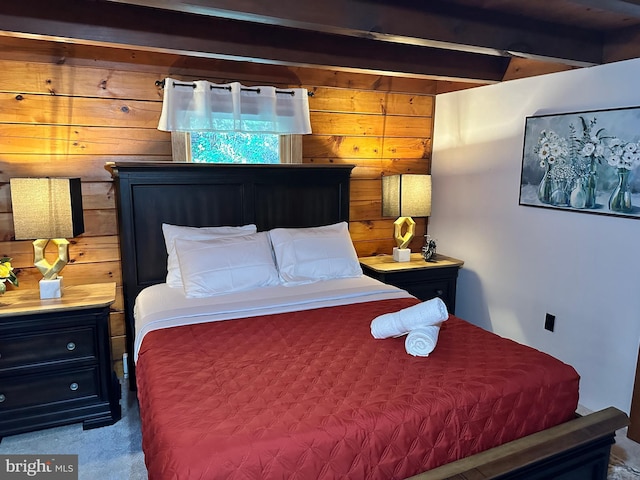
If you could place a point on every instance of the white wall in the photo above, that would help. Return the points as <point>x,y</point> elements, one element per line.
<point>522,262</point>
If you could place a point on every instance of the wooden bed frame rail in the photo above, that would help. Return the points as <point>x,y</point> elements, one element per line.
<point>575,450</point>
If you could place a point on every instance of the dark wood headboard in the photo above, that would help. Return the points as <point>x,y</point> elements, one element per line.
<point>198,195</point>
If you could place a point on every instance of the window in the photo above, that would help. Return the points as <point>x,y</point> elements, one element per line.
<point>235,147</point>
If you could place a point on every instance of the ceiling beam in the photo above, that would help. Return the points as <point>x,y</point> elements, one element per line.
<point>132,26</point>
<point>432,23</point>
<point>624,7</point>
<point>622,44</point>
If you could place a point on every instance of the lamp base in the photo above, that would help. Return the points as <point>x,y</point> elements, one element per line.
<point>401,254</point>
<point>51,288</point>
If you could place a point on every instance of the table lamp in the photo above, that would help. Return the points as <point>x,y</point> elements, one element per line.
<point>47,209</point>
<point>405,196</point>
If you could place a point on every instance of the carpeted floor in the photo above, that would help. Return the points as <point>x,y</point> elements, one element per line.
<point>619,471</point>
<point>106,453</point>
<point>115,452</point>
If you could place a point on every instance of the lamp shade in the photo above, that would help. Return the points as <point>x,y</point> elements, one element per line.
<point>407,195</point>
<point>46,208</point>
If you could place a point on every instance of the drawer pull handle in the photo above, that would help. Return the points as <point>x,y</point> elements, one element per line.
<point>2,398</point>
<point>439,292</point>
<point>73,387</point>
<point>71,346</point>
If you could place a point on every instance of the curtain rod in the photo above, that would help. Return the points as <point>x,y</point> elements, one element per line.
<point>160,83</point>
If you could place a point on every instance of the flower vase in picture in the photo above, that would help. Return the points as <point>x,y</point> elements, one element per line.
<point>591,146</point>
<point>620,200</point>
<point>551,148</point>
<point>578,197</point>
<point>544,188</point>
<point>563,176</point>
<point>590,189</point>
<point>559,195</point>
<point>624,157</point>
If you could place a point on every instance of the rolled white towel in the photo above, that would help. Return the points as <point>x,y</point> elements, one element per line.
<point>421,341</point>
<point>398,323</point>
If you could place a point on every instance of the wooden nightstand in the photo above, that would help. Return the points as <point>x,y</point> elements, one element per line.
<point>55,360</point>
<point>424,280</point>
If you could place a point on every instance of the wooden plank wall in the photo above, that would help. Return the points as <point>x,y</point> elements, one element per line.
<point>67,116</point>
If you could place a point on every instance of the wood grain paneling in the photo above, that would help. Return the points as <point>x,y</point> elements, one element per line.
<point>352,100</point>
<point>75,274</point>
<point>81,140</point>
<point>61,110</point>
<point>116,324</point>
<point>98,195</point>
<point>77,82</point>
<point>89,168</point>
<point>354,124</point>
<point>66,110</point>
<point>341,146</point>
<point>81,250</point>
<point>96,223</point>
<point>373,168</point>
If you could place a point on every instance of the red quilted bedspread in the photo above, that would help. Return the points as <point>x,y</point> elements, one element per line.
<point>312,394</point>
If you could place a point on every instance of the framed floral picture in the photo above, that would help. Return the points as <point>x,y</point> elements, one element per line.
<point>583,161</point>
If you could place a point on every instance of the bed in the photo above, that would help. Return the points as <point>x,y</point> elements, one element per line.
<point>245,386</point>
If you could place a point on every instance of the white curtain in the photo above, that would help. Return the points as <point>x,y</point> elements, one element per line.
<point>202,105</point>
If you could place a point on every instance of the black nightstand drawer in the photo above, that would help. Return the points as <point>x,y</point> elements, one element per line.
<point>31,390</point>
<point>428,290</point>
<point>66,344</point>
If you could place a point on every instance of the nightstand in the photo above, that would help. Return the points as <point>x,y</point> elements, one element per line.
<point>424,280</point>
<point>55,360</point>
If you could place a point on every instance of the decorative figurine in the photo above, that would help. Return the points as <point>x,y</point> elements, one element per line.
<point>429,249</point>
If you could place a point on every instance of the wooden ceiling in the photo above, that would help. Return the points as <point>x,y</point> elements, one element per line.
<point>481,41</point>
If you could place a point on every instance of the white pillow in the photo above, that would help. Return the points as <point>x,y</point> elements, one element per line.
<point>173,232</point>
<point>226,264</point>
<point>305,255</point>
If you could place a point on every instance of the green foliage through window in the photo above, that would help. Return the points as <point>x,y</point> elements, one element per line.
<point>234,147</point>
